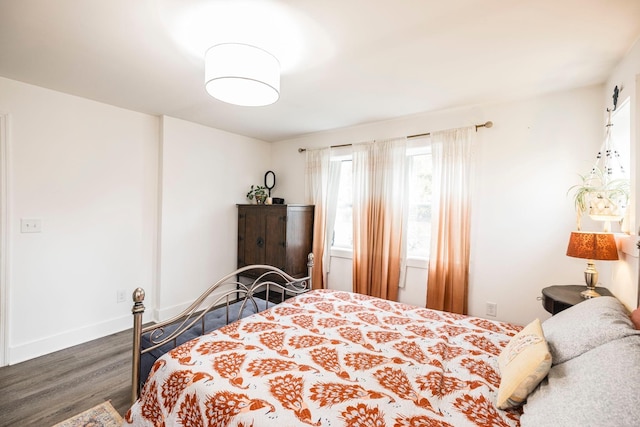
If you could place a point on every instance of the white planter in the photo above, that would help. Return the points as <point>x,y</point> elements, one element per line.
<point>604,208</point>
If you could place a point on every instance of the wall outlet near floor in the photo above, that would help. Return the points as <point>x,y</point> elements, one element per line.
<point>121,295</point>
<point>492,309</point>
<point>30,225</point>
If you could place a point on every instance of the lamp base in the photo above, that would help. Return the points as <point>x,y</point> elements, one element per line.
<point>589,293</point>
<point>591,279</point>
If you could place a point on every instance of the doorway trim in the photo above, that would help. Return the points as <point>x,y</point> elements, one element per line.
<point>4,220</point>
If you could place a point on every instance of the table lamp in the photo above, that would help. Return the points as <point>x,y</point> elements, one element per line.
<point>592,246</point>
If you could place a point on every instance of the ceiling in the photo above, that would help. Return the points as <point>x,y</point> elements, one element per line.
<point>344,62</point>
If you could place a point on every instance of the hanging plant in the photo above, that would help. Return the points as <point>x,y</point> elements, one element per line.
<point>604,192</point>
<point>602,199</point>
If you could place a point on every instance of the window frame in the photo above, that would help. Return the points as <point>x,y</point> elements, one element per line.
<point>414,148</point>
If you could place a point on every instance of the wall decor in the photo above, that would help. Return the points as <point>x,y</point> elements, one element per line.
<point>269,181</point>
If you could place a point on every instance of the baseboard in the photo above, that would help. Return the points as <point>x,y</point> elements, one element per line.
<point>50,344</point>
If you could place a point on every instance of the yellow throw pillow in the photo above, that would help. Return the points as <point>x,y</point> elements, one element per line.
<point>523,363</point>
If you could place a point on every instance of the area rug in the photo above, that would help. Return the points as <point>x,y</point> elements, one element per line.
<point>103,415</point>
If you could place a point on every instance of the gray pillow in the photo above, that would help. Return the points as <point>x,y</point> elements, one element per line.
<point>584,326</point>
<point>599,388</point>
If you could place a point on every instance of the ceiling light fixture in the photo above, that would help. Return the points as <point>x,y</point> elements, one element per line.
<point>242,74</point>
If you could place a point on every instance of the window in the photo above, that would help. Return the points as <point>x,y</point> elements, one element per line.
<point>419,218</point>
<point>419,172</point>
<point>343,227</point>
<point>621,136</point>
<point>621,144</point>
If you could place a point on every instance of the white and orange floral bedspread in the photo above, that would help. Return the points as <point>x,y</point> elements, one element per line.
<point>330,358</point>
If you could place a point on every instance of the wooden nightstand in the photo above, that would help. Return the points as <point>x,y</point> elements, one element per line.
<point>560,297</point>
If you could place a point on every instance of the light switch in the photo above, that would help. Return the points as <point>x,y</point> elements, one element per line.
<point>30,225</point>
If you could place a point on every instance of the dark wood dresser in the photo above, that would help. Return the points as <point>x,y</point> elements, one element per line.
<point>277,235</point>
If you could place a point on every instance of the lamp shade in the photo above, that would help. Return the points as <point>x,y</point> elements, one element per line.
<point>595,246</point>
<point>242,74</point>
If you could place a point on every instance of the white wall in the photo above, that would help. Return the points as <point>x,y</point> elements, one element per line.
<point>88,171</point>
<point>205,172</point>
<point>522,216</point>
<point>126,200</point>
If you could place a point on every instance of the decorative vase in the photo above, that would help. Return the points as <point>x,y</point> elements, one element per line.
<point>260,198</point>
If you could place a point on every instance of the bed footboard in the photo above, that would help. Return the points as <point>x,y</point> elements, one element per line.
<point>228,294</point>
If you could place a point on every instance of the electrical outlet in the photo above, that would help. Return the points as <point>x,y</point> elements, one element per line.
<point>121,295</point>
<point>492,309</point>
<point>30,225</point>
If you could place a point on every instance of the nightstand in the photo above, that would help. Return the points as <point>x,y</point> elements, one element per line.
<point>560,297</point>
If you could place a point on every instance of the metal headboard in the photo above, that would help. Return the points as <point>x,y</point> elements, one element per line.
<point>223,293</point>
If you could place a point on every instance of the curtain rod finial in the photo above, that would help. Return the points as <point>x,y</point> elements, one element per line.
<point>488,124</point>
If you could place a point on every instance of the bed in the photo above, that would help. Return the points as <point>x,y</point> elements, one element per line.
<point>334,358</point>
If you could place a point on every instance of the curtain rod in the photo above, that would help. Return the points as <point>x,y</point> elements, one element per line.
<point>483,125</point>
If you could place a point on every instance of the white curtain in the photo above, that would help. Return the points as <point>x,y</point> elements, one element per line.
<point>378,199</point>
<point>452,154</point>
<point>321,181</point>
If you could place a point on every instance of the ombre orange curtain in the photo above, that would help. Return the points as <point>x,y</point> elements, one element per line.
<point>321,179</point>
<point>378,197</point>
<point>448,277</point>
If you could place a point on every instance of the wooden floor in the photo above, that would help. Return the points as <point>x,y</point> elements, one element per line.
<point>44,391</point>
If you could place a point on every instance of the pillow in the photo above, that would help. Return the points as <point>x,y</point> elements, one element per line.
<point>599,388</point>
<point>586,325</point>
<point>523,363</point>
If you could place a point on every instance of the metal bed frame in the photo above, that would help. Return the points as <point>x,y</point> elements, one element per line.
<point>226,291</point>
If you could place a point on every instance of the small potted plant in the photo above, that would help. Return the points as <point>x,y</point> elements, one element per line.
<point>258,192</point>
<point>602,198</point>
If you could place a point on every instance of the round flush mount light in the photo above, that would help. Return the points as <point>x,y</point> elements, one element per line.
<point>242,74</point>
